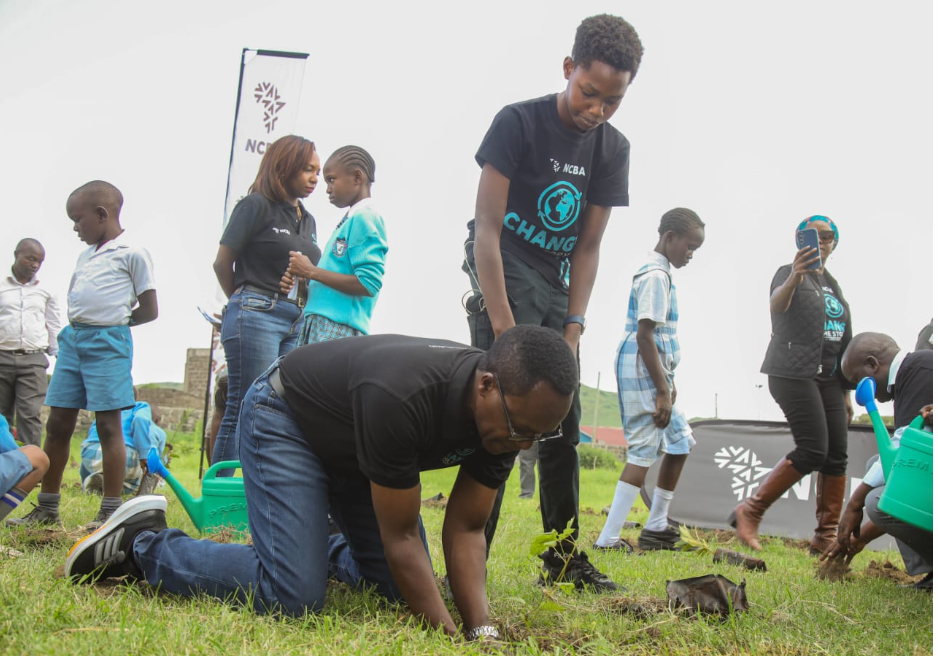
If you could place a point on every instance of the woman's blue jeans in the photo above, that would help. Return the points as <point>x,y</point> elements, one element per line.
<point>290,493</point>
<point>255,331</point>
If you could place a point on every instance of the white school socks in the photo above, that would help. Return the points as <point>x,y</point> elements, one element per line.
<point>658,513</point>
<point>621,505</point>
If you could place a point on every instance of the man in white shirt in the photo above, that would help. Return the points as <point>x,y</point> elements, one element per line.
<point>29,324</point>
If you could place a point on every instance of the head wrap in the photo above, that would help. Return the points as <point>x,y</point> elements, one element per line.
<point>819,217</point>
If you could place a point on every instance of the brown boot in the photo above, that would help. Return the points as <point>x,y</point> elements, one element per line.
<point>830,501</point>
<point>747,516</point>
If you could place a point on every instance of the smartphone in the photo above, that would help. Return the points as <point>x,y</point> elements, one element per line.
<point>808,237</point>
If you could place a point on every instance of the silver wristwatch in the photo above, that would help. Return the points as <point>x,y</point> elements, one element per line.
<point>479,631</point>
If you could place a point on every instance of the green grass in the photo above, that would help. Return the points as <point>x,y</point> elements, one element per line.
<point>791,611</point>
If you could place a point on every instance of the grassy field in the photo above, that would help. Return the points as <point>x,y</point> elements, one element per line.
<point>791,611</point>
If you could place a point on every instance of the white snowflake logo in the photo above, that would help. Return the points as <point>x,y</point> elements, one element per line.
<point>746,467</point>
<point>555,164</point>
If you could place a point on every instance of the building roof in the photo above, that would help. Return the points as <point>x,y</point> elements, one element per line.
<point>610,435</point>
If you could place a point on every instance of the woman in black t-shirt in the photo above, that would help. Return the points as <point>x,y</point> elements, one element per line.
<point>810,330</point>
<point>261,320</point>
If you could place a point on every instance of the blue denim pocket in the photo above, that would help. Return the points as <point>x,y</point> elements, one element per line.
<point>257,303</point>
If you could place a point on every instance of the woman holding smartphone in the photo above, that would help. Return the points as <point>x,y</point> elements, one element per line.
<point>810,330</point>
<point>262,318</point>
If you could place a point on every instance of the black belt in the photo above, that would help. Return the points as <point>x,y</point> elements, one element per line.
<point>24,352</point>
<point>299,302</point>
<point>273,379</point>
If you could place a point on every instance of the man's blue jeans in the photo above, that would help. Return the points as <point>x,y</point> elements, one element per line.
<point>255,331</point>
<point>289,495</point>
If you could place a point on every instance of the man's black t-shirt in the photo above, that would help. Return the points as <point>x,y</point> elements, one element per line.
<point>554,173</point>
<point>914,386</point>
<point>389,407</point>
<point>263,232</point>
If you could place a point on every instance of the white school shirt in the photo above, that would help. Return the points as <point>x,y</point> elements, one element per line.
<point>29,316</point>
<point>875,475</point>
<point>107,282</point>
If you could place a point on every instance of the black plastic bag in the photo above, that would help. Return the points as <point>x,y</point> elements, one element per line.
<point>709,594</point>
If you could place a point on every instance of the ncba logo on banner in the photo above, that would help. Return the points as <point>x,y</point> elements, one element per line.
<point>748,472</point>
<point>266,94</point>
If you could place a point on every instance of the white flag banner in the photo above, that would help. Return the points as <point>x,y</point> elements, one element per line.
<point>268,103</point>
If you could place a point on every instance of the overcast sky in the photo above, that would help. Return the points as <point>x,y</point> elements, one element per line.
<point>754,114</point>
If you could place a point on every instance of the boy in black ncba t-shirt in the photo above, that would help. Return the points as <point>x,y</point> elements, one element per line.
<point>552,169</point>
<point>345,428</point>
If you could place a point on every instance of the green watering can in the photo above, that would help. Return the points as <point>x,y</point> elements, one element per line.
<point>222,504</point>
<point>907,468</point>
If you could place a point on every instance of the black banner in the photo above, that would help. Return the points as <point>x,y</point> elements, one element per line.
<point>730,461</point>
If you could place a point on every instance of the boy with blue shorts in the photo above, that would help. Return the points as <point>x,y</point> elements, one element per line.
<point>96,350</point>
<point>21,468</point>
<point>645,364</point>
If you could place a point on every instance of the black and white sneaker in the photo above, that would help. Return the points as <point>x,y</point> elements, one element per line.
<point>579,571</point>
<point>108,552</point>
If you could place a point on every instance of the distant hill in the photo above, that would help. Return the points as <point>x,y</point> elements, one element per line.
<point>608,411</point>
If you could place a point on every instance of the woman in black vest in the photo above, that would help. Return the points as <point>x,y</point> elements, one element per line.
<point>810,330</point>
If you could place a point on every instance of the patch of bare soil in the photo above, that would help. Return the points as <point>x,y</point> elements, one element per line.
<point>886,570</point>
<point>642,608</point>
<point>793,543</point>
<point>833,570</point>
<point>436,501</point>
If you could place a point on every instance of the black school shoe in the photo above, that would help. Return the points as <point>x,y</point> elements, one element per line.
<point>108,552</point>
<point>579,571</point>
<point>658,540</point>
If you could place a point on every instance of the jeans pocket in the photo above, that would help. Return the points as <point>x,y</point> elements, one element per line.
<point>257,303</point>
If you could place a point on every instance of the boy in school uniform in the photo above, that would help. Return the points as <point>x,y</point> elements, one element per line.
<point>96,349</point>
<point>141,430</point>
<point>552,169</point>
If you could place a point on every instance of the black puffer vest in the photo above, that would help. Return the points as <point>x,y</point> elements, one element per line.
<point>798,334</point>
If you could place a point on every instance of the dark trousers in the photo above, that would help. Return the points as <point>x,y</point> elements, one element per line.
<point>915,544</point>
<point>534,301</point>
<point>23,385</point>
<point>817,414</point>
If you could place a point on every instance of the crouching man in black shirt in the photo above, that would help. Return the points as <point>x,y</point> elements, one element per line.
<point>346,427</point>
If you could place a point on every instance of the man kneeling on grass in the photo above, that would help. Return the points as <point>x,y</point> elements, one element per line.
<point>345,428</point>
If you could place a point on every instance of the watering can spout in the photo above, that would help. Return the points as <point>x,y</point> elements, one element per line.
<point>866,396</point>
<point>192,505</point>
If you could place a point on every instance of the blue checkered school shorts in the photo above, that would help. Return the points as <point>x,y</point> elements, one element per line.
<point>316,328</point>
<point>637,406</point>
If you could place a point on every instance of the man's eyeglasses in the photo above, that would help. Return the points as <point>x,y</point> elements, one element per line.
<point>518,437</point>
<point>825,236</point>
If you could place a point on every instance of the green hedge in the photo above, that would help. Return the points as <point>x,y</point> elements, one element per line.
<point>592,457</point>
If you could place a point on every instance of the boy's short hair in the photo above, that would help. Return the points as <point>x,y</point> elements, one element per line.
<point>282,160</point>
<point>609,39</point>
<point>100,193</point>
<point>525,355</point>
<point>680,220</point>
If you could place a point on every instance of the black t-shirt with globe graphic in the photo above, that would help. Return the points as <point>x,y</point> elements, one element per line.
<point>835,323</point>
<point>554,172</point>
